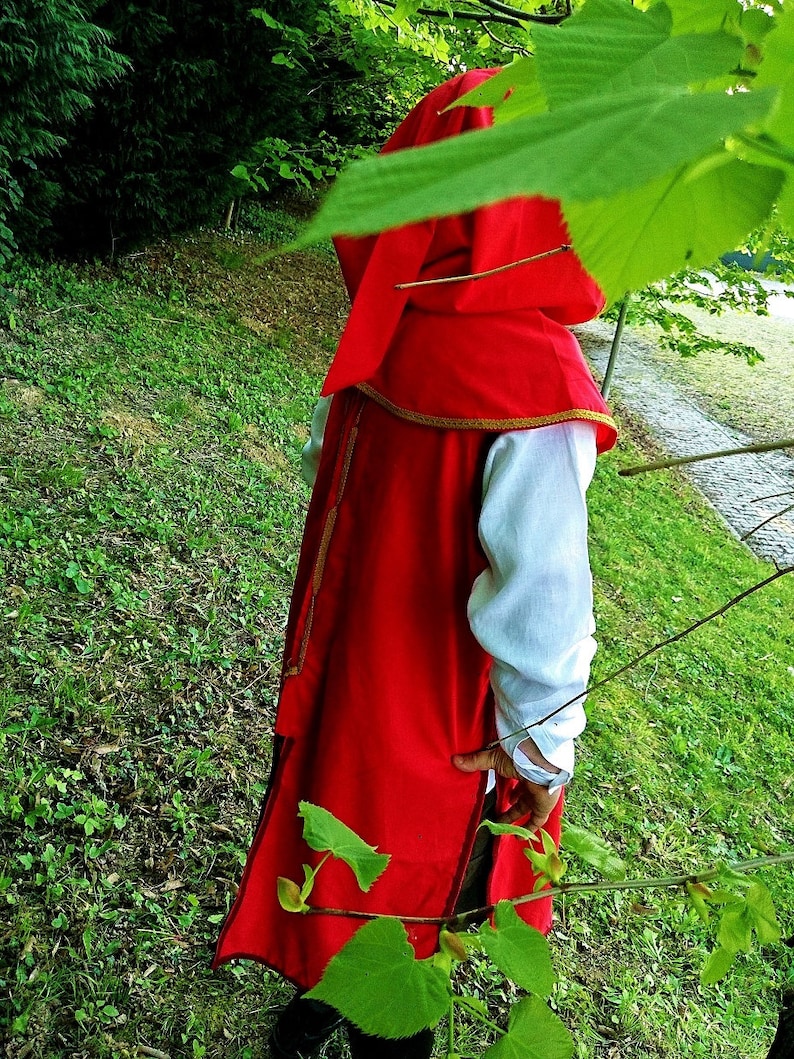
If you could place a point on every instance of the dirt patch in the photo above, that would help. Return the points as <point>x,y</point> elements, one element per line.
<point>261,451</point>
<point>30,398</point>
<point>296,301</point>
<point>133,427</point>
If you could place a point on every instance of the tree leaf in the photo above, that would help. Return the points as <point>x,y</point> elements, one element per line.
<point>549,845</point>
<point>323,832</point>
<point>514,92</point>
<point>761,911</point>
<point>289,895</point>
<point>593,850</point>
<point>684,219</point>
<point>698,901</point>
<point>518,950</point>
<point>577,152</point>
<point>735,931</point>
<point>777,69</point>
<point>453,945</point>
<point>612,45</point>
<point>534,1032</point>
<point>717,966</point>
<point>377,983</point>
<point>508,829</point>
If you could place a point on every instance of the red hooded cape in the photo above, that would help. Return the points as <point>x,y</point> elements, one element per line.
<point>383,680</point>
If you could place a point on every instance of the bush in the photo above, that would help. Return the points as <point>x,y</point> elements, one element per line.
<point>51,61</point>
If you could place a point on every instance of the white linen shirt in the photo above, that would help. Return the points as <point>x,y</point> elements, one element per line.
<point>531,608</point>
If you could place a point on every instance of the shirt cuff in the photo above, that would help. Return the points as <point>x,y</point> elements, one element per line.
<point>528,770</point>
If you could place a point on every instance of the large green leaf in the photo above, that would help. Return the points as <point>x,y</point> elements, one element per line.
<point>761,911</point>
<point>518,950</point>
<point>579,151</point>
<point>594,46</point>
<point>534,1032</point>
<point>682,220</point>
<point>777,69</point>
<point>717,966</point>
<point>323,832</point>
<point>593,850</point>
<point>377,983</point>
<point>612,45</point>
<point>703,16</point>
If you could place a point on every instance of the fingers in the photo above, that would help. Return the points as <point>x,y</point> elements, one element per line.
<point>533,802</point>
<point>479,761</point>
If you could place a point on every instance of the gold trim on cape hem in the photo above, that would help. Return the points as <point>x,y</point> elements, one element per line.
<point>522,423</point>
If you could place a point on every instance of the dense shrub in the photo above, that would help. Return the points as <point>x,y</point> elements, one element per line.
<point>156,151</point>
<point>52,59</point>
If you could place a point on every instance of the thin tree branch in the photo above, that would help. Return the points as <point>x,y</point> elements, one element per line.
<point>771,496</point>
<point>524,16</point>
<point>766,522</point>
<point>651,650</point>
<point>483,275</point>
<point>465,16</point>
<point>478,915</point>
<point>496,12</point>
<point>658,465</point>
<point>515,48</point>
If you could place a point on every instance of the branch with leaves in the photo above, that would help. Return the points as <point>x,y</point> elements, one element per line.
<point>378,960</point>
<point>679,124</point>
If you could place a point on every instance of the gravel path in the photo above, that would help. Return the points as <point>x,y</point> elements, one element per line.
<point>736,485</point>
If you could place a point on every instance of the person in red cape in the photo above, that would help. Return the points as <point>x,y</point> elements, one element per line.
<point>442,612</point>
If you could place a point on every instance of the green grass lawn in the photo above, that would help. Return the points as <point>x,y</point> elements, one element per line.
<point>151,420</point>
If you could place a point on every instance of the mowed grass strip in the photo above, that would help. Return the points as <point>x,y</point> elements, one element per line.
<point>151,424</point>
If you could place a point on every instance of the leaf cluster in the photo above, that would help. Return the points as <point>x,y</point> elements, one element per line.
<point>665,129</point>
<point>376,981</point>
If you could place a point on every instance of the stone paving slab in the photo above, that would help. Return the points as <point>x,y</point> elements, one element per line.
<point>735,485</point>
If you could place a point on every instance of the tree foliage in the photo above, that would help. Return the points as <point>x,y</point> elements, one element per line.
<point>665,128</point>
<point>130,147</point>
<point>376,981</point>
<point>155,153</point>
<point>52,61</point>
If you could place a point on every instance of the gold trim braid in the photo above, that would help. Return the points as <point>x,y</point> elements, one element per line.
<point>322,550</point>
<point>522,423</point>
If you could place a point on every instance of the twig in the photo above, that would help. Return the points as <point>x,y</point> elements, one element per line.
<point>766,521</point>
<point>515,48</point>
<point>651,650</point>
<point>483,275</point>
<point>477,915</point>
<point>496,12</point>
<point>772,496</point>
<point>658,465</point>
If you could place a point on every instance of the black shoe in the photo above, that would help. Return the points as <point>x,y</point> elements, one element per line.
<point>302,1028</point>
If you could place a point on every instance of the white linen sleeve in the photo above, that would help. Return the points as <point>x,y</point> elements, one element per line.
<point>310,454</point>
<point>531,609</point>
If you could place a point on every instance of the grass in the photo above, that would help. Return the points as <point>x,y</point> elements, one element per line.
<point>151,420</point>
<point>757,399</point>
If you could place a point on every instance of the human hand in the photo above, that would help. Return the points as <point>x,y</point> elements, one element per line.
<point>532,799</point>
